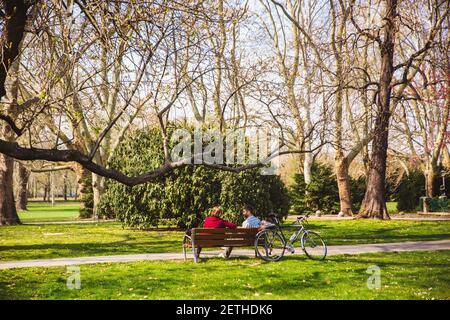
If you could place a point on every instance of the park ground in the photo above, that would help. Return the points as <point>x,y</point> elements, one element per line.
<point>39,211</point>
<point>405,275</point>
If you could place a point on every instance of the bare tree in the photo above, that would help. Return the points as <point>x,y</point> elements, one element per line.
<point>423,115</point>
<point>374,203</point>
<point>295,70</point>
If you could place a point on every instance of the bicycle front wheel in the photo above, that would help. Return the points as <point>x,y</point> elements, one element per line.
<point>314,246</point>
<point>269,245</point>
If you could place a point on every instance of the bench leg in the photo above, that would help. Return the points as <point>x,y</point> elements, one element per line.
<point>186,242</point>
<point>194,253</point>
<point>228,252</point>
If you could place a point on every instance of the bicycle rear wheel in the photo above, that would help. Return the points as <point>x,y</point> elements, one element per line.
<point>314,246</point>
<point>269,245</point>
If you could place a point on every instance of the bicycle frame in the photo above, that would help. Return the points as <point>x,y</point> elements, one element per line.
<point>288,243</point>
<point>309,240</point>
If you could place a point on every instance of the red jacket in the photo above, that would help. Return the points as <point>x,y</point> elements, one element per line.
<point>213,222</point>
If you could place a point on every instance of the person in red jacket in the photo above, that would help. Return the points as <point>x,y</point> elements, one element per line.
<point>215,221</point>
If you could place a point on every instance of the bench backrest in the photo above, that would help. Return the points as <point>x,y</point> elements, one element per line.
<point>240,237</point>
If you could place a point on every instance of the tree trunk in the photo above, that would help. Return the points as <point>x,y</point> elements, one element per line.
<point>430,173</point>
<point>46,197</point>
<point>374,203</point>
<point>52,188</point>
<point>341,170</point>
<point>65,189</point>
<point>446,156</point>
<point>429,176</point>
<point>48,187</point>
<point>22,196</point>
<point>81,174</point>
<point>340,162</point>
<point>98,188</point>
<point>33,188</point>
<point>9,86</point>
<point>307,167</point>
<point>8,213</point>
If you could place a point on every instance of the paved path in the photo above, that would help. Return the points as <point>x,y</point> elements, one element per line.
<point>443,218</point>
<point>396,217</point>
<point>332,250</point>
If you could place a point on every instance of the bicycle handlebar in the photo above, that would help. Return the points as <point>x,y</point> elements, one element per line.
<point>301,218</point>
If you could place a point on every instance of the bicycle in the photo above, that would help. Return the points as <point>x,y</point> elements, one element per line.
<point>271,243</point>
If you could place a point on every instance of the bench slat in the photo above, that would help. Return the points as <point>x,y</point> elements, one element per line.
<point>223,230</point>
<point>223,243</point>
<point>203,236</point>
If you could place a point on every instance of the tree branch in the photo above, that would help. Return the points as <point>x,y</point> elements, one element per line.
<point>12,149</point>
<point>12,34</point>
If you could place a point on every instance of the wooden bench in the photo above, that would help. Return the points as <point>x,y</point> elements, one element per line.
<point>212,238</point>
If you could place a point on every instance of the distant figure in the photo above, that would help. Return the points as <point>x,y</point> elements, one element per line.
<point>250,220</point>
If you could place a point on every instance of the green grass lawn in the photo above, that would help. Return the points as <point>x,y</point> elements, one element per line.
<point>72,240</point>
<point>44,212</point>
<point>109,238</point>
<point>407,275</point>
<point>391,207</point>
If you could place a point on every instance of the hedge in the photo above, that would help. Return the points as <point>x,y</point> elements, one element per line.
<point>184,196</point>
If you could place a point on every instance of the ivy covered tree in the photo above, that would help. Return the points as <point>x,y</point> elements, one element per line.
<point>184,195</point>
<point>266,193</point>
